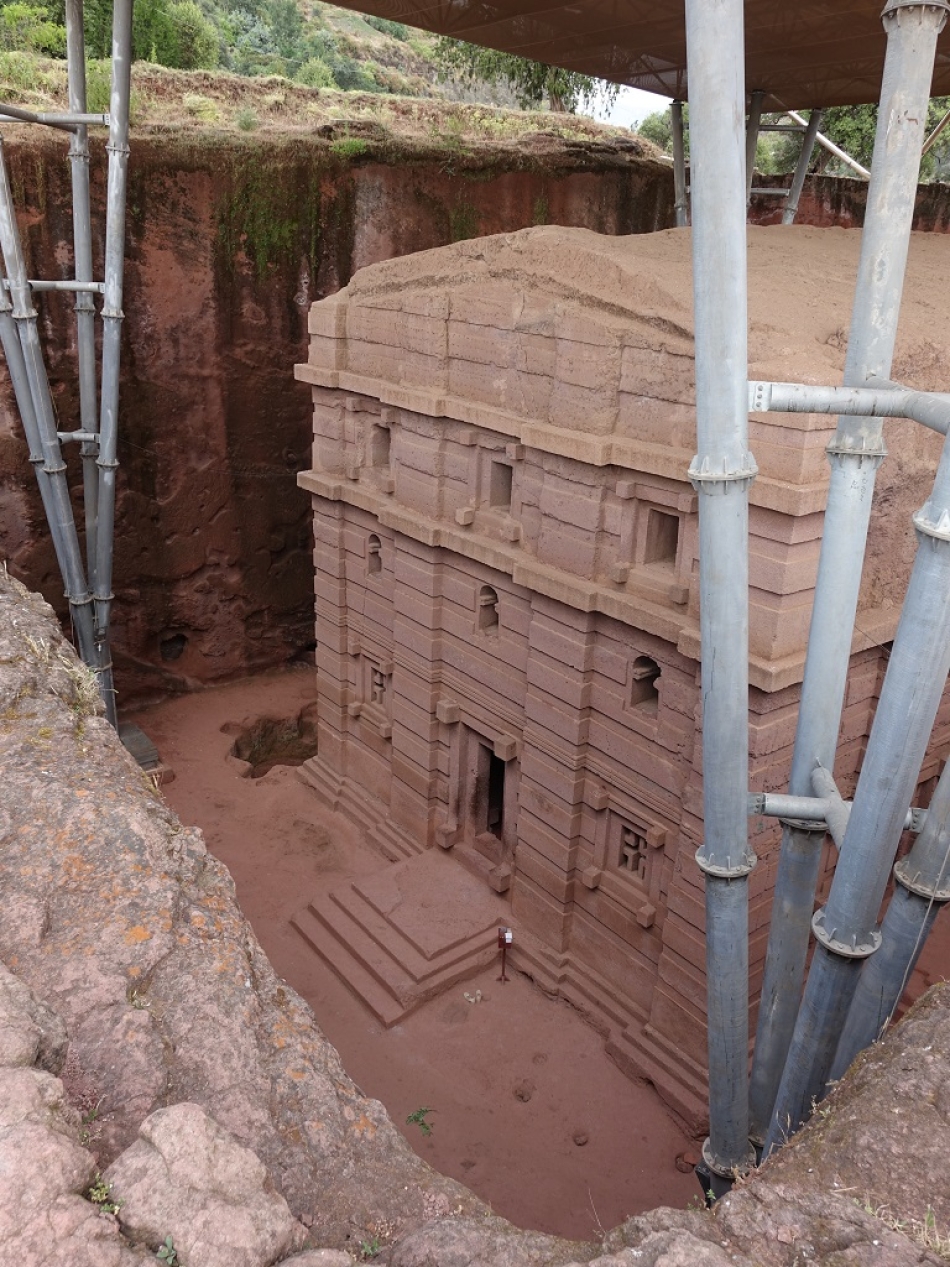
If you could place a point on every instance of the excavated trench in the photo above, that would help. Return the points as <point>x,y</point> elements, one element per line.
<point>492,1083</point>
<point>523,1105</point>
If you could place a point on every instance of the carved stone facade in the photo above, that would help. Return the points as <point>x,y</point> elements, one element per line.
<point>507,594</point>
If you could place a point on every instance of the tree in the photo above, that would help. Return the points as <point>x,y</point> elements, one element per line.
<point>286,24</point>
<point>850,127</point>
<point>194,41</point>
<point>531,82</point>
<point>658,128</point>
<point>26,28</point>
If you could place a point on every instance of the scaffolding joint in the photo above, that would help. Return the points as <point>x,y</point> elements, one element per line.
<point>27,313</point>
<point>893,6</point>
<point>705,478</point>
<point>937,529</point>
<point>736,871</point>
<point>84,437</point>
<point>852,949</point>
<point>913,884</point>
<point>817,826</point>
<point>722,1169</point>
<point>837,450</point>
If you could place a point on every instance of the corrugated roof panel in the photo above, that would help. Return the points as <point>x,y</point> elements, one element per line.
<point>811,53</point>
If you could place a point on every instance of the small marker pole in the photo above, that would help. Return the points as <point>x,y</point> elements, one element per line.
<point>505,938</point>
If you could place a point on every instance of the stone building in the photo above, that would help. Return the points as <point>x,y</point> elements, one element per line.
<point>507,587</point>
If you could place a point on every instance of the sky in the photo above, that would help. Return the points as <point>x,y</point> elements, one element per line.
<point>631,107</point>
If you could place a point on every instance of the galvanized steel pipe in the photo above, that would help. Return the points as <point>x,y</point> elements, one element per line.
<point>846,928</point>
<point>41,416</point>
<point>830,146</point>
<point>722,471</point>
<point>888,400</point>
<point>790,211</point>
<point>855,454</point>
<point>680,196</point>
<point>82,251</point>
<point>922,888</point>
<point>112,315</point>
<point>752,137</point>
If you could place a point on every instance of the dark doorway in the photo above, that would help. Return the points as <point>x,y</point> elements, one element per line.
<point>496,796</point>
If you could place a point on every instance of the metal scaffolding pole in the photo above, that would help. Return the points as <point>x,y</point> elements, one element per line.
<point>722,472</point>
<point>801,169</point>
<point>752,138</point>
<point>82,251</point>
<point>680,195</point>
<point>112,315</point>
<point>41,416</point>
<point>922,888</point>
<point>19,379</point>
<point>855,454</point>
<point>846,928</point>
<point>830,146</point>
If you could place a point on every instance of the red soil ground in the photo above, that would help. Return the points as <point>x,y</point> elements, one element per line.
<point>527,1110</point>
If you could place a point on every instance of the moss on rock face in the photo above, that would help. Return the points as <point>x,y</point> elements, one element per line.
<point>270,208</point>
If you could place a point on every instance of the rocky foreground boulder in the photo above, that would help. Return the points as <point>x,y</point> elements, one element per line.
<point>162,1090</point>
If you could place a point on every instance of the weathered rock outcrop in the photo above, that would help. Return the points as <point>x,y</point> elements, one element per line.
<point>185,1050</point>
<point>120,920</point>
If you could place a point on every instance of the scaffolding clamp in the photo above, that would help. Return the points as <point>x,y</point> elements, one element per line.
<point>707,478</point>
<point>894,5</point>
<point>852,949</point>
<point>930,892</point>
<point>937,529</point>
<point>728,872</point>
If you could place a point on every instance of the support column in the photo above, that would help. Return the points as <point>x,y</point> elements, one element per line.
<point>855,454</point>
<point>82,252</point>
<point>680,195</point>
<point>752,138</point>
<point>846,928</point>
<point>721,472</point>
<point>112,317</point>
<point>30,380</point>
<point>923,886</point>
<point>801,168</point>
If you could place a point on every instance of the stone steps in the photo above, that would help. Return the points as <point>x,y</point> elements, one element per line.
<point>359,807</point>
<point>405,934</point>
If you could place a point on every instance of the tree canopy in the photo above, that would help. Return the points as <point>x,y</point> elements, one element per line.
<point>531,82</point>
<point>850,127</point>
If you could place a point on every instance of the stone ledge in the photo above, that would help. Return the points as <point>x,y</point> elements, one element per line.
<point>638,455</point>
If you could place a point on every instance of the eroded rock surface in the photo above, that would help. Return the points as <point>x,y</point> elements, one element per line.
<point>43,1169</point>
<point>119,919</point>
<point>187,1178</point>
<point>116,917</point>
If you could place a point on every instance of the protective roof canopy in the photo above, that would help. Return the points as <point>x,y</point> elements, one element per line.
<point>802,53</point>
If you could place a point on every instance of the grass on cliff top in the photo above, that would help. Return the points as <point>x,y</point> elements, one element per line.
<point>174,101</point>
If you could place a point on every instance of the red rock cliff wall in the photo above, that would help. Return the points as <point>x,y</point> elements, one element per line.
<point>829,200</point>
<point>230,240</point>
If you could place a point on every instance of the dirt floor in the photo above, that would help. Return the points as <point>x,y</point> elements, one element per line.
<point>522,1103</point>
<point>524,1106</point>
